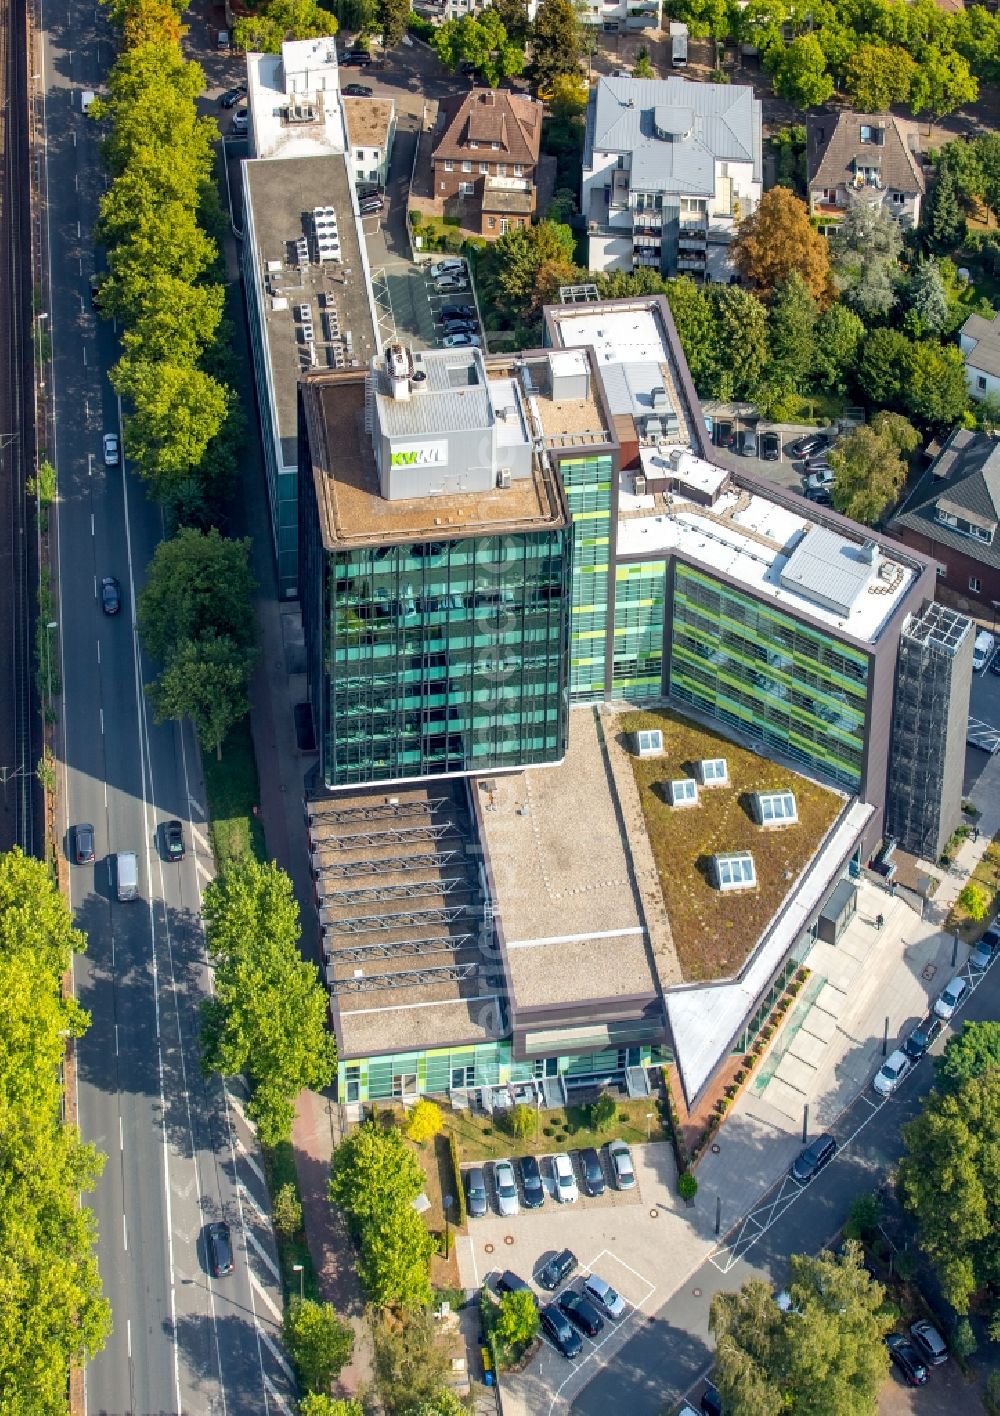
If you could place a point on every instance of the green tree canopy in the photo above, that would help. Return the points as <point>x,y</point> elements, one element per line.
<point>392,18</point>
<point>935,392</point>
<point>479,39</point>
<point>316,1404</point>
<point>395,1257</point>
<point>207,680</point>
<point>865,250</point>
<point>948,1180</point>
<point>792,333</point>
<point>280,20</point>
<point>517,1322</point>
<point>878,75</point>
<point>969,1053</point>
<point>941,82</point>
<point>885,357</point>
<point>412,1363</point>
<point>555,43</point>
<point>320,1345</point>
<point>827,1348</point>
<point>691,307</point>
<point>942,220</point>
<point>839,332</point>
<point>927,299</point>
<point>267,1018</point>
<point>868,474</point>
<point>800,72</point>
<point>199,583</point>
<point>741,332</point>
<point>518,260</point>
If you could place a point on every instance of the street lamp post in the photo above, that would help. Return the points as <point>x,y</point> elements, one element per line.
<point>300,1270</point>
<point>649,1124</point>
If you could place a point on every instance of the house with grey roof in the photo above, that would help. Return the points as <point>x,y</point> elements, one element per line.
<point>870,157</point>
<point>669,169</point>
<point>980,343</point>
<point>953,514</point>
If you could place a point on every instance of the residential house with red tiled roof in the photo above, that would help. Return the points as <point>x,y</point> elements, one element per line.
<point>485,159</point>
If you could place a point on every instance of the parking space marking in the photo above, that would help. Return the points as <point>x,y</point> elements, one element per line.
<point>613,1329</point>
<point>383,306</point>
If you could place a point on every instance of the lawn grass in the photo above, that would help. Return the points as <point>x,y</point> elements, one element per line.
<point>233,791</point>
<point>279,1165</point>
<point>714,932</point>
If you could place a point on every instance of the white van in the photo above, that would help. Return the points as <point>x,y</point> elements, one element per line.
<point>87,97</point>
<point>982,650</point>
<point>127,875</point>
<point>241,121</point>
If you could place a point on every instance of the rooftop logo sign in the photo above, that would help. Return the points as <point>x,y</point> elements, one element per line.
<point>426,455</point>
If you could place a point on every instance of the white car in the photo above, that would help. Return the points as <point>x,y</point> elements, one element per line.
<point>895,1067</point>
<point>111,450</point>
<point>982,650</point>
<point>621,1165</point>
<point>503,1178</point>
<point>461,341</point>
<point>821,479</point>
<point>950,997</point>
<point>562,1172</point>
<point>443,268</point>
<point>241,121</point>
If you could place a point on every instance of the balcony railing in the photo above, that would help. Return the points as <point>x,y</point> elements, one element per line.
<point>507,184</point>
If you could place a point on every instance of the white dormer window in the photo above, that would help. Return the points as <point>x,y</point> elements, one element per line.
<point>473,145</point>
<point>518,170</point>
<point>449,166</point>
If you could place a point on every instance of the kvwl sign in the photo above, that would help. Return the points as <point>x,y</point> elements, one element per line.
<point>426,455</point>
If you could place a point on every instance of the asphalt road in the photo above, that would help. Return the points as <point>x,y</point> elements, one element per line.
<point>179,1151</point>
<point>674,1349</point>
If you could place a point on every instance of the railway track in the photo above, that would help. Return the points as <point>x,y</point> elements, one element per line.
<point>21,816</point>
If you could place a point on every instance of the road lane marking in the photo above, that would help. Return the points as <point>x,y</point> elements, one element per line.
<point>248,1195</point>
<point>128,1334</point>
<point>265,1256</point>
<point>278,1356</point>
<point>276,1395</point>
<point>265,1297</point>
<point>125,1231</point>
<point>121,1134</point>
<point>98,651</point>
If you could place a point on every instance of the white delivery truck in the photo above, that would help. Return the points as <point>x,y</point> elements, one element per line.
<point>678,44</point>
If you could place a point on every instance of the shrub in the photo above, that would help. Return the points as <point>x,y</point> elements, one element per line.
<point>517,1322</point>
<point>456,1171</point>
<point>963,1339</point>
<point>548,1130</point>
<point>863,1217</point>
<point>603,1112</point>
<point>286,1210</point>
<point>687,1186</point>
<point>975,901</point>
<point>523,1120</point>
<point>425,1121</point>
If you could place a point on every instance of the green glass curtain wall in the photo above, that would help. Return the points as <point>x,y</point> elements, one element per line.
<point>587,483</point>
<point>638,643</point>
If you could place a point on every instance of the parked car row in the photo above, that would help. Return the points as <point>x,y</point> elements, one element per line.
<point>457,324</point>
<point>746,440</point>
<point>915,1353</point>
<point>898,1065</point>
<point>575,1311</point>
<point>567,1180</point>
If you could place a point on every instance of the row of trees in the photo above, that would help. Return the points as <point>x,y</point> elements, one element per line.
<point>53,1314</point>
<point>876,52</point>
<point>495,42</point>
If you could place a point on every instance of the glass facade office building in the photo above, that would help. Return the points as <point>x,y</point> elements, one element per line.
<point>640,592</point>
<point>587,484</point>
<point>788,686</point>
<point>446,656</point>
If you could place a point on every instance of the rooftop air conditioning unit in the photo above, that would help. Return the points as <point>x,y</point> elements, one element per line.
<point>503,478</point>
<point>640,484</point>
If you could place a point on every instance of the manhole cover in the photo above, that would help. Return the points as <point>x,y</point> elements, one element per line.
<point>928,971</point>
<point>695,1292</point>
<point>508,1238</point>
<point>488,1248</point>
<point>716,1148</point>
<point>654,1214</point>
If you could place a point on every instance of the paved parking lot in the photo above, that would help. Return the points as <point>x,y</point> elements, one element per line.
<point>636,1240</point>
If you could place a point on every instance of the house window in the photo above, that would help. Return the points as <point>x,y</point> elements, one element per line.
<point>518,170</point>
<point>504,226</point>
<point>898,198</point>
<point>495,147</point>
<point>491,222</point>
<point>449,167</point>
<point>484,169</point>
<point>975,584</point>
<point>359,156</point>
<point>465,189</point>
<point>501,169</point>
<point>466,166</point>
<point>473,146</point>
<point>946,518</point>
<point>981,382</point>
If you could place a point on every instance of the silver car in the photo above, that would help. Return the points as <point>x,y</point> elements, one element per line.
<point>503,1178</point>
<point>621,1165</point>
<point>607,1299</point>
<point>891,1073</point>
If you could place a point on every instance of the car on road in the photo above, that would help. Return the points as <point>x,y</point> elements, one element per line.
<point>592,1172</point>
<point>605,1299</point>
<point>111,595</point>
<point>820,480</point>
<point>982,650</point>
<point>950,997</point>
<point>112,451</point>
<point>531,1182</point>
<point>560,1332</point>
<point>83,843</point>
<point>808,445</point>
<point>985,951</point>
<point>770,446</point>
<point>907,1359</point>
<point>173,840</point>
<point>746,442</point>
<point>232,96</point>
<point>562,1172</point>
<point>358,91</point>
<point>621,1165</point>
<point>814,1158</point>
<point>581,1313</point>
<point>895,1067</point>
<point>922,1036</point>
<point>220,1249</point>
<point>557,1270</point>
<point>461,341</point>
<point>357,58</point>
<point>475,1192</point>
<point>929,1342</point>
<point>506,1187</point>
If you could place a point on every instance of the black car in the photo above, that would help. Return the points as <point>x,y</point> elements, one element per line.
<point>559,1331</point>
<point>220,1249</point>
<point>581,1313</point>
<point>232,96</point>
<point>711,1402</point>
<point>358,58</point>
<point>816,1155</point>
<point>907,1359</point>
<point>822,496</point>
<point>921,1037</point>
<point>457,312</point>
<point>460,327</point>
<point>557,1269</point>
<point>475,1193</point>
<point>83,843</point>
<point>357,91</point>
<point>531,1183</point>
<point>808,445</point>
<point>770,446</point>
<point>173,840</point>
<point>509,1282</point>
<point>995,664</point>
<point>593,1174</point>
<point>111,595</point>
